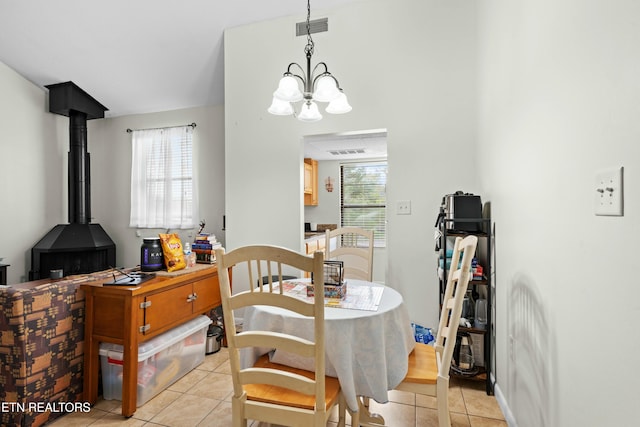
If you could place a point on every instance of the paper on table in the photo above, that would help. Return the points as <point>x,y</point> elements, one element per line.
<point>359,297</point>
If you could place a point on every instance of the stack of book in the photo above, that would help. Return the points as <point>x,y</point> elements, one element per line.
<point>204,246</point>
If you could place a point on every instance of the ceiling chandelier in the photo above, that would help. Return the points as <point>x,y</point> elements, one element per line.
<point>318,85</point>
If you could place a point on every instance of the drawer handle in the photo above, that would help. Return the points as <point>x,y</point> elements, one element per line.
<point>192,297</point>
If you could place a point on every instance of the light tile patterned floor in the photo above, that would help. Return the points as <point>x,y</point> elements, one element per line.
<point>202,399</point>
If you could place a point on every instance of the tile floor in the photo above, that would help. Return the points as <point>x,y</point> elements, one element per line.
<point>202,399</point>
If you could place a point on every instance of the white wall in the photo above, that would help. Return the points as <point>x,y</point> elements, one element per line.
<point>33,171</point>
<point>559,99</point>
<point>110,148</point>
<point>328,209</point>
<point>398,77</point>
<point>34,147</point>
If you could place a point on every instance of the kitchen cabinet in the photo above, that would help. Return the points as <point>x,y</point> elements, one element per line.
<point>308,178</point>
<point>310,182</point>
<point>130,315</point>
<point>481,287</point>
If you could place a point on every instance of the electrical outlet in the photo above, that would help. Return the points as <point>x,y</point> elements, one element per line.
<point>403,207</point>
<point>608,199</point>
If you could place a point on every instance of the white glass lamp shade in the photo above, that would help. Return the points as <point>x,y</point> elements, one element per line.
<point>340,105</point>
<point>309,112</point>
<point>288,90</point>
<point>326,89</point>
<point>280,108</point>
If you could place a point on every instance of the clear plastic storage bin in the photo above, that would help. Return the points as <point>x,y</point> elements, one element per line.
<point>161,361</point>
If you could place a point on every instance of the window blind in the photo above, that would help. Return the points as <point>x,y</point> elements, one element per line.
<point>363,199</point>
<point>163,193</point>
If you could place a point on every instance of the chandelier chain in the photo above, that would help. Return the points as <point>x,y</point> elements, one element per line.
<point>308,49</point>
<point>318,85</point>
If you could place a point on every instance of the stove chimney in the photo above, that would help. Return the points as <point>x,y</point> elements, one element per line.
<point>78,247</point>
<point>69,100</point>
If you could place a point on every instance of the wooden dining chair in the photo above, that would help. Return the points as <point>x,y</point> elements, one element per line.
<point>354,246</point>
<point>429,365</point>
<point>271,392</point>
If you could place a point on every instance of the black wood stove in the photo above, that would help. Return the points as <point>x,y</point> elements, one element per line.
<point>78,247</point>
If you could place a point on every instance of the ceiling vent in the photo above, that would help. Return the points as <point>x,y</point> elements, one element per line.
<point>347,151</point>
<point>316,26</point>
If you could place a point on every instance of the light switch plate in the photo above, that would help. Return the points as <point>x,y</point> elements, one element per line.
<point>608,199</point>
<point>403,207</point>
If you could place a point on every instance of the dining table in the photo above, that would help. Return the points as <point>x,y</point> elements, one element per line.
<point>368,338</point>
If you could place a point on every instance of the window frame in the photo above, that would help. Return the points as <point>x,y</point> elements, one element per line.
<point>166,183</point>
<point>380,237</point>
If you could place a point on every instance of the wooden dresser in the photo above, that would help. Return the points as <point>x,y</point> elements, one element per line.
<point>131,315</point>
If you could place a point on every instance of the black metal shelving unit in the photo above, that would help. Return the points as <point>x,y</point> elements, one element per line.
<point>485,286</point>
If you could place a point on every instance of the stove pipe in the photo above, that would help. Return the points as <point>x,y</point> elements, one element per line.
<point>69,100</point>
<point>77,247</point>
<point>79,167</point>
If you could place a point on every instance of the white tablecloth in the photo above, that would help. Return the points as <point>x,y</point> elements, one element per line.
<point>366,350</point>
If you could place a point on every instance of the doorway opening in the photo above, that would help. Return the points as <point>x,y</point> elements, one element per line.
<point>332,152</point>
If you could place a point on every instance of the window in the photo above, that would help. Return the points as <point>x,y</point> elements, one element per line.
<point>163,190</point>
<point>363,199</point>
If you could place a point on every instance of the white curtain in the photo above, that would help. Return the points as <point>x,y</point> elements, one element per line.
<point>163,187</point>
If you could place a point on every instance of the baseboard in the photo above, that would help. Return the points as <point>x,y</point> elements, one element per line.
<point>502,402</point>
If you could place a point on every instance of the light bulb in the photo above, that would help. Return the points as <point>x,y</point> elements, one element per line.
<point>288,90</point>
<point>326,89</point>
<point>280,108</point>
<point>340,105</point>
<point>309,112</point>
